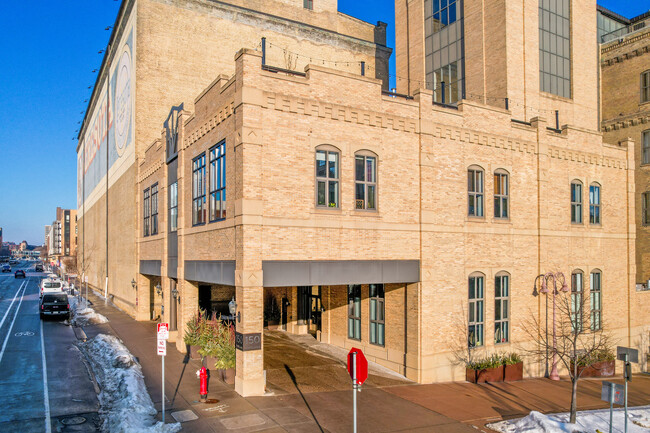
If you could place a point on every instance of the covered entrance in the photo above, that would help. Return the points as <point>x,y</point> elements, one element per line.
<point>310,309</point>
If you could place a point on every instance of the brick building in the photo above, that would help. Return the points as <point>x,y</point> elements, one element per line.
<point>61,235</point>
<point>288,179</point>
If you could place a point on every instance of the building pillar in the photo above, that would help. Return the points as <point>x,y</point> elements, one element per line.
<point>142,298</point>
<point>249,378</point>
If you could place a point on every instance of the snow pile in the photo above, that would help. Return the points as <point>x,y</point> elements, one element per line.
<point>82,314</point>
<point>586,422</point>
<point>125,403</point>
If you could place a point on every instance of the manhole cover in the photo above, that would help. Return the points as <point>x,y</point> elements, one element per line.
<point>75,420</point>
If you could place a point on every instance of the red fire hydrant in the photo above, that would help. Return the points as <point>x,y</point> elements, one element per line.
<point>203,376</point>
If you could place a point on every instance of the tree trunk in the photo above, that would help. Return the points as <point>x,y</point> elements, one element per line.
<point>574,398</point>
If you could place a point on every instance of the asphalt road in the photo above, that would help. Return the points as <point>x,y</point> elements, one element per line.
<point>45,385</point>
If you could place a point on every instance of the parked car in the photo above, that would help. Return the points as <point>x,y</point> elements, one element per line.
<point>13,262</point>
<point>19,274</point>
<point>51,286</point>
<point>55,305</point>
<point>38,267</point>
<point>6,268</point>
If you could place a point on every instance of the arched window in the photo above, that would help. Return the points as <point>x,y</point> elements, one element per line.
<point>475,191</point>
<point>576,202</point>
<point>327,177</point>
<point>476,298</point>
<point>577,301</point>
<point>365,180</point>
<point>594,203</point>
<point>595,286</point>
<point>501,194</point>
<point>502,308</point>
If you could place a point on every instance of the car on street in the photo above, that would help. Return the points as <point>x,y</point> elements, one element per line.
<point>6,268</point>
<point>38,267</point>
<point>50,286</point>
<point>55,305</point>
<point>19,273</point>
<point>13,262</point>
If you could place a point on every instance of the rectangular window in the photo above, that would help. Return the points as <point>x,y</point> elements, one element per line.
<point>154,209</point>
<point>576,302</point>
<point>576,202</point>
<point>645,140</point>
<point>146,212</point>
<point>218,182</point>
<point>377,322</point>
<point>596,307</point>
<point>645,208</point>
<point>198,190</point>
<point>501,195</point>
<point>366,182</point>
<point>327,178</point>
<point>354,312</point>
<point>173,207</point>
<point>645,87</point>
<point>475,320</point>
<point>501,311</point>
<point>308,4</point>
<point>475,192</point>
<point>594,204</point>
<point>555,47</point>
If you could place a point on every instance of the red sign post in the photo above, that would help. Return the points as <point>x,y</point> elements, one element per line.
<point>361,366</point>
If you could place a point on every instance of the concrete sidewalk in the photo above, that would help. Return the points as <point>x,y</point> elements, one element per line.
<point>448,407</point>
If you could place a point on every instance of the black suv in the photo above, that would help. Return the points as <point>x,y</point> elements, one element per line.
<point>55,305</point>
<point>19,274</point>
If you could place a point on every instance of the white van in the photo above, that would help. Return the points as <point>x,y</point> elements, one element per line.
<point>49,285</point>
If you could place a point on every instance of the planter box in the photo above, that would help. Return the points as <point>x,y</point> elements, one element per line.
<point>194,352</point>
<point>484,376</point>
<point>208,362</point>
<point>227,375</point>
<point>513,372</point>
<point>599,369</point>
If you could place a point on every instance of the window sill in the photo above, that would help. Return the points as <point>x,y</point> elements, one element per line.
<point>198,224</point>
<point>365,212</point>
<point>217,220</point>
<point>501,220</point>
<point>476,219</point>
<point>328,210</point>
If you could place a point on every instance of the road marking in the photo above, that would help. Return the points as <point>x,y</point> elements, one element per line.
<point>46,397</point>
<point>4,345</point>
<point>12,303</point>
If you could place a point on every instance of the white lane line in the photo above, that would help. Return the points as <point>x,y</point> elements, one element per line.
<point>10,305</point>
<point>46,397</point>
<point>4,345</point>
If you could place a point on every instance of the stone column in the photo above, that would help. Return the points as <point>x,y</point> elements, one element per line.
<point>249,379</point>
<point>142,311</point>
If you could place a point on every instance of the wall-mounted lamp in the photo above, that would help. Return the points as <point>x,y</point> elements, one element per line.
<point>159,291</point>
<point>134,284</point>
<point>175,294</point>
<point>232,307</point>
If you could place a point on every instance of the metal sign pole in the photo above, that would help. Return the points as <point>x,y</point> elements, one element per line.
<point>163,389</point>
<point>611,407</point>
<point>626,378</point>
<point>354,390</point>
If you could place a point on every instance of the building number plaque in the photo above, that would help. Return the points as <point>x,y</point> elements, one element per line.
<point>246,342</point>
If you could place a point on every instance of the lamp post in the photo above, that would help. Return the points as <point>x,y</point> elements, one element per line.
<point>555,278</point>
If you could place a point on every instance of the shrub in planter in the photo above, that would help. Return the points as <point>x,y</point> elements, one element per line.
<point>600,363</point>
<point>513,367</point>
<point>226,354</point>
<point>482,370</point>
<point>193,330</point>
<point>208,341</point>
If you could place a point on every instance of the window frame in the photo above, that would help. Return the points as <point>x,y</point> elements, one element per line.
<point>644,90</point>
<point>502,322</point>
<point>154,209</point>
<point>376,305</point>
<point>217,162</point>
<point>476,305</point>
<point>577,316</point>
<point>146,212</point>
<point>354,307</point>
<point>308,4</point>
<point>596,294</point>
<point>595,214</point>
<point>198,190</point>
<point>645,147</point>
<point>365,184</point>
<point>327,179</point>
<point>173,207</point>
<point>479,196</point>
<point>502,197</point>
<point>576,205</point>
<point>645,208</point>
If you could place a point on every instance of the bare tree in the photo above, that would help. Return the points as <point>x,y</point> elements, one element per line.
<point>462,345</point>
<point>575,342</point>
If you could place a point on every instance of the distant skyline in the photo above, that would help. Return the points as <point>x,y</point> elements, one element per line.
<point>49,51</point>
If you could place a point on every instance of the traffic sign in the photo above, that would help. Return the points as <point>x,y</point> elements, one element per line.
<point>632,354</point>
<point>162,347</point>
<point>361,364</point>
<point>613,396</point>
<point>163,331</point>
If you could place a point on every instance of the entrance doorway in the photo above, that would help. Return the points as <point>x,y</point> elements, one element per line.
<point>310,308</point>
<point>205,299</point>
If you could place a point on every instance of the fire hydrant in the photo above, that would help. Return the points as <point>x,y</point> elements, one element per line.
<point>203,376</point>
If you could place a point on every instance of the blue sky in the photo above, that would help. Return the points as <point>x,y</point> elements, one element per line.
<point>48,51</point>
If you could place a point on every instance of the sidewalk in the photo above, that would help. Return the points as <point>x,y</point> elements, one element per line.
<point>448,407</point>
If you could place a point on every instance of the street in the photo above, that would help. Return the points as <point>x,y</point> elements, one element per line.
<point>44,383</point>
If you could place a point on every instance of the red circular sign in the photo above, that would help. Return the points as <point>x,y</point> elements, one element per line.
<point>362,365</point>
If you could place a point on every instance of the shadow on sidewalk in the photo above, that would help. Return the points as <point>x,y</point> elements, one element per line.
<point>293,379</point>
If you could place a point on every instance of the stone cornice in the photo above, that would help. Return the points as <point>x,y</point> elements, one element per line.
<point>224,113</point>
<point>627,121</point>
<point>628,54</point>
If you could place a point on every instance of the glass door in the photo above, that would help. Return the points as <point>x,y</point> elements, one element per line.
<point>315,310</point>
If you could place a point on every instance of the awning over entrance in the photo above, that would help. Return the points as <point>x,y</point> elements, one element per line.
<point>311,273</point>
<point>150,267</point>
<point>211,271</point>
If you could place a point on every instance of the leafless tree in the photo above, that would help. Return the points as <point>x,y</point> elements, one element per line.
<point>462,351</point>
<point>576,343</point>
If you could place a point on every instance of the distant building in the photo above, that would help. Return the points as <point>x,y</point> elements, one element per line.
<point>61,236</point>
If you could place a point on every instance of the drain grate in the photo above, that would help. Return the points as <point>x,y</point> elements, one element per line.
<point>75,420</point>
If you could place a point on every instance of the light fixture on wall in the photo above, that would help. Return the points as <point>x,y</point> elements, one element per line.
<point>159,291</point>
<point>175,293</point>
<point>134,284</point>
<point>232,307</point>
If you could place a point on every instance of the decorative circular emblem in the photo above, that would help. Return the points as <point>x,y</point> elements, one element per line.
<point>123,102</point>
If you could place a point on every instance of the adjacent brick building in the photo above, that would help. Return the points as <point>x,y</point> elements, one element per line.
<point>283,176</point>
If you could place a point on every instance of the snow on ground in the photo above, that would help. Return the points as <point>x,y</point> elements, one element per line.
<point>590,421</point>
<point>126,406</point>
<point>83,314</point>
